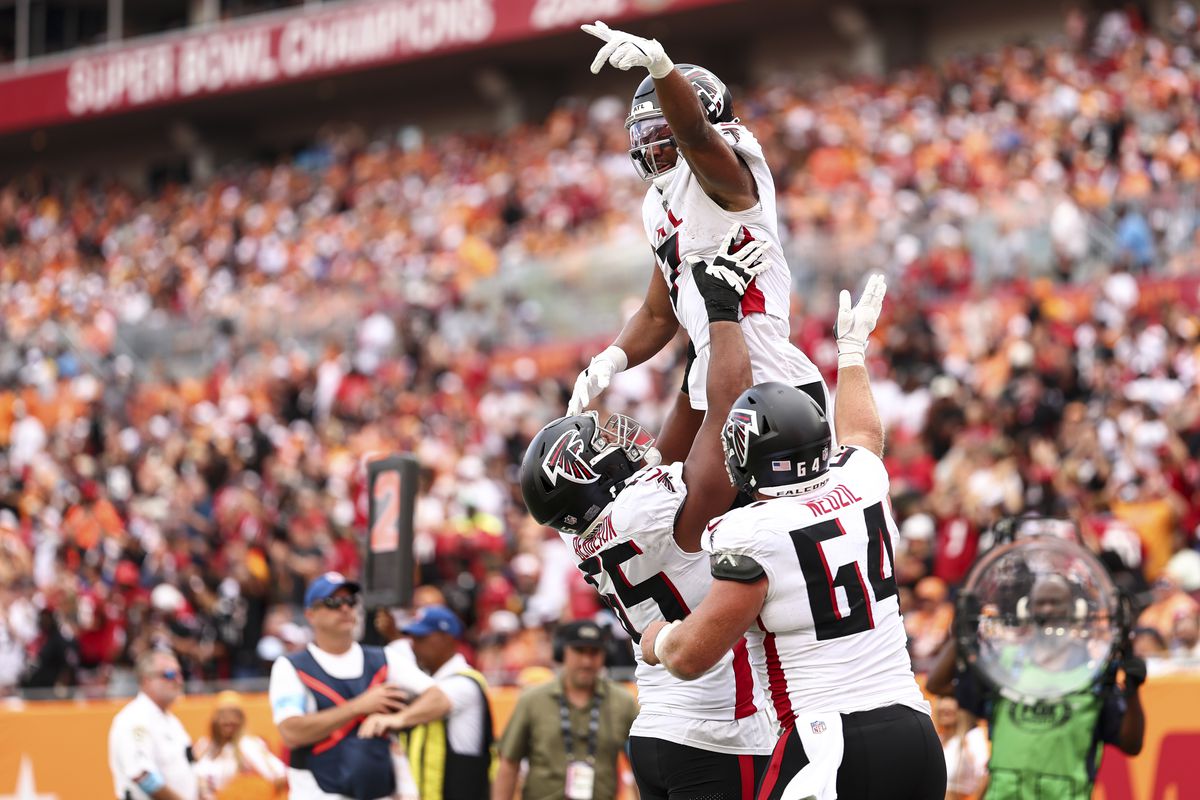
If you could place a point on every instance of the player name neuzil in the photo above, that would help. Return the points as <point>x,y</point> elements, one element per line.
<point>837,497</point>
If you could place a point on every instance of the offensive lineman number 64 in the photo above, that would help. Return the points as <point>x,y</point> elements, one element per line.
<point>821,583</point>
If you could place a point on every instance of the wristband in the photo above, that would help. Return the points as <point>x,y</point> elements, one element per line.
<point>660,68</point>
<point>661,639</point>
<point>151,782</point>
<point>615,355</point>
<point>851,359</point>
<point>721,314</point>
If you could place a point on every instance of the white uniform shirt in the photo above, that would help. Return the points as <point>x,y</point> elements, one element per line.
<point>291,698</point>
<point>214,771</point>
<point>641,573</point>
<point>966,761</point>
<point>682,221</point>
<point>144,738</point>
<point>830,630</point>
<point>464,726</point>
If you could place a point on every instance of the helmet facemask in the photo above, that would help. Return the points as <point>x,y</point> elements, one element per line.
<point>652,147</point>
<point>574,468</point>
<point>626,434</point>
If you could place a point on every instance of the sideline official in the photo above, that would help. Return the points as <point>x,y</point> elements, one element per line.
<point>321,695</point>
<point>571,729</point>
<point>450,749</point>
<point>149,752</point>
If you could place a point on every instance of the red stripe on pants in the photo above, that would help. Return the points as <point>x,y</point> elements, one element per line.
<point>746,765</point>
<point>772,775</point>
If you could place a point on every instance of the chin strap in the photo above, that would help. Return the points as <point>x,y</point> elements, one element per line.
<point>652,458</point>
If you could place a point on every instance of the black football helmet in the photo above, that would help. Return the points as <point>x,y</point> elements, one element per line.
<point>776,440</point>
<point>574,468</point>
<point>652,145</point>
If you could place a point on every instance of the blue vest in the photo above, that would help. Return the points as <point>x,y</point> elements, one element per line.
<point>342,763</point>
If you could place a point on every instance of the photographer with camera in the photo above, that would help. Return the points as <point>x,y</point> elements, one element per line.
<point>1045,743</point>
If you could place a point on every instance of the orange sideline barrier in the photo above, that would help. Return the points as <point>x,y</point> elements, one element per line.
<point>57,750</point>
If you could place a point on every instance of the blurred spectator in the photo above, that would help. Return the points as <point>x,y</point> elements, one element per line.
<point>1185,636</point>
<point>1170,598</point>
<point>965,745</point>
<point>1031,201</point>
<point>928,621</point>
<point>229,754</point>
<point>54,656</point>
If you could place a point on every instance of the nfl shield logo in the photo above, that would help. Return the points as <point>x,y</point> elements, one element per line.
<point>818,726</point>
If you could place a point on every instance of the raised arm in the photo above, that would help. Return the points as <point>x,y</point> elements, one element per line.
<point>710,492</point>
<point>723,175</point>
<point>855,416</point>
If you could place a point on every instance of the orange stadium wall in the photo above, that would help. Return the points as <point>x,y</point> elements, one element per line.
<point>57,750</point>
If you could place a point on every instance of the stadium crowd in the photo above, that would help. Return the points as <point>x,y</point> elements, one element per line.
<point>1033,206</point>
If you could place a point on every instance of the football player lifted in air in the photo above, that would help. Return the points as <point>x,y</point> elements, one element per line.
<point>808,571</point>
<point>706,171</point>
<point>635,529</point>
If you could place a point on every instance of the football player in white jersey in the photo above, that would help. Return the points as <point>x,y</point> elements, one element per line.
<point>808,571</point>
<point>635,533</point>
<point>721,178</point>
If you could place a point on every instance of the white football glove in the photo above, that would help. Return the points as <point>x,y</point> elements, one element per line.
<point>736,268</point>
<point>595,379</point>
<point>854,325</point>
<point>624,51</point>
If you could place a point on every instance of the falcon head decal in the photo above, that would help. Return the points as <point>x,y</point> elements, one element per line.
<point>735,437</point>
<point>565,458</point>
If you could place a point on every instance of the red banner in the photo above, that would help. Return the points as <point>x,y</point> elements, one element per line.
<point>281,48</point>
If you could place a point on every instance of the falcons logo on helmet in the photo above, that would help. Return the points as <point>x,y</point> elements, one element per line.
<point>566,459</point>
<point>739,426</point>
<point>709,89</point>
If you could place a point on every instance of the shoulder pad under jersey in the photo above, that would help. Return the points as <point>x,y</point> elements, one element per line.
<point>727,565</point>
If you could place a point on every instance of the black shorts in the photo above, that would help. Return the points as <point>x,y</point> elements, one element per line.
<point>670,771</point>
<point>890,753</point>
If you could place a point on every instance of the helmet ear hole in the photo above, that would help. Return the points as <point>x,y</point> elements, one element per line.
<point>1023,609</point>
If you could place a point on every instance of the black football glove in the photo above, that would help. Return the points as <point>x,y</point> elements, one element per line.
<point>724,280</point>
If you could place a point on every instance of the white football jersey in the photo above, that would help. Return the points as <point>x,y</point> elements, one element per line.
<point>682,221</point>
<point>830,631</point>
<point>632,559</point>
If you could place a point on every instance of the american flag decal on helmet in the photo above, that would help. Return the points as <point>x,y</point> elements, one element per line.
<point>566,459</point>
<point>735,437</point>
